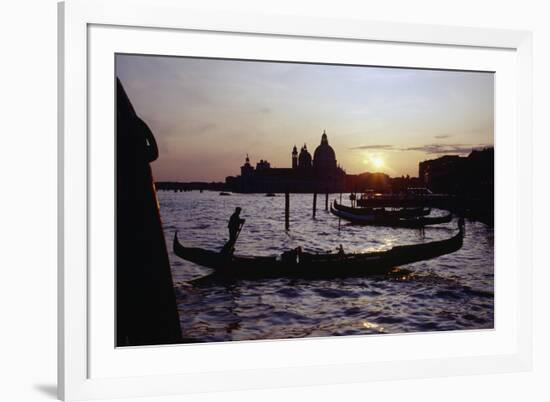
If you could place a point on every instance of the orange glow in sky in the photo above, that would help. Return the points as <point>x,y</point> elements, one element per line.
<point>207,114</point>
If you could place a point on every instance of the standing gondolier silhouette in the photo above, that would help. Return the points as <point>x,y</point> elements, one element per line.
<point>235,224</point>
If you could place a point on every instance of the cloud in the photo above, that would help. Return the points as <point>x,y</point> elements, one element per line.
<point>381,147</point>
<point>429,148</point>
<point>446,148</point>
<point>265,110</point>
<point>442,136</point>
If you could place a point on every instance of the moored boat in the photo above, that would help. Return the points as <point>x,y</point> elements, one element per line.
<point>411,197</point>
<point>298,264</point>
<point>394,221</point>
<point>383,212</point>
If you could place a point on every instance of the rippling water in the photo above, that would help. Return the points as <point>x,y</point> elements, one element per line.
<point>451,292</point>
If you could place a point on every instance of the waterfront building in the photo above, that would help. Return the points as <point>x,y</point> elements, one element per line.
<point>465,175</point>
<point>320,173</point>
<point>441,174</point>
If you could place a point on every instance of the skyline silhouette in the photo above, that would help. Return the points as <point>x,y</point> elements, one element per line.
<point>207,114</point>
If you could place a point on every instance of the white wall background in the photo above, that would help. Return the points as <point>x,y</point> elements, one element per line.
<point>28,198</point>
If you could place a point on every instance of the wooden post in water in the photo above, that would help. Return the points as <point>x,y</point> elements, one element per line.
<point>326,202</point>
<point>339,217</point>
<point>314,204</point>
<point>287,212</point>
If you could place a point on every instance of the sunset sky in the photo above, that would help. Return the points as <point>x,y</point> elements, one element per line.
<point>207,114</point>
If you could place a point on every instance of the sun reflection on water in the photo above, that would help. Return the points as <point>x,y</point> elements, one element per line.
<point>372,326</point>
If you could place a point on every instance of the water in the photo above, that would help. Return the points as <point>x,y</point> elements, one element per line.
<point>451,292</point>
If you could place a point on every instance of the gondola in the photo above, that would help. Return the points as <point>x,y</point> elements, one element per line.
<point>399,213</point>
<point>297,264</point>
<point>392,221</point>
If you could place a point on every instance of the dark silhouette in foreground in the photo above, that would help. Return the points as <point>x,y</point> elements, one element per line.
<point>146,310</point>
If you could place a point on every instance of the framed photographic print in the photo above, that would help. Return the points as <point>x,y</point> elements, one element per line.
<point>256,201</point>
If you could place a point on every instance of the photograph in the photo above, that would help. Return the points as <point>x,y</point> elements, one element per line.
<point>269,200</point>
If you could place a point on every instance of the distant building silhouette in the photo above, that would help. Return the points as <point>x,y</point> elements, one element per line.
<point>304,159</point>
<point>247,169</point>
<point>441,174</point>
<point>324,157</point>
<point>453,174</point>
<point>470,180</point>
<point>306,174</point>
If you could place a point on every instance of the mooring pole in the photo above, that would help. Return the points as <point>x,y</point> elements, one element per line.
<point>339,217</point>
<point>314,204</point>
<point>326,202</point>
<point>287,208</point>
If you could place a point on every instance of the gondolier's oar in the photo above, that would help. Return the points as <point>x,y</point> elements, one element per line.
<point>238,233</point>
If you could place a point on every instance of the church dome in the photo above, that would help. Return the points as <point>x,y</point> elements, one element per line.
<point>304,159</point>
<point>324,155</point>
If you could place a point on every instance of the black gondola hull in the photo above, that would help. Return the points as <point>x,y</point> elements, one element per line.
<point>316,266</point>
<point>384,213</point>
<point>397,222</point>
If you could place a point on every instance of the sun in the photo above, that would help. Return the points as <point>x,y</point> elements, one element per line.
<point>374,161</point>
<point>377,162</point>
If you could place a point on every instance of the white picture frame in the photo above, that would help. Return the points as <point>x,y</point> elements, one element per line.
<point>83,28</point>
